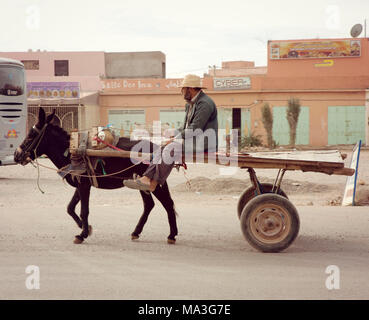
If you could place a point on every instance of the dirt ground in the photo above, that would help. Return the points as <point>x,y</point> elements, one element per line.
<point>211,259</point>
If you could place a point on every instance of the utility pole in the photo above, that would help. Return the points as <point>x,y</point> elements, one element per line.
<point>364,28</point>
<point>214,68</point>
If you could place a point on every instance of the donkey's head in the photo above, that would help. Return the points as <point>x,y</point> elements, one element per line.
<point>35,144</point>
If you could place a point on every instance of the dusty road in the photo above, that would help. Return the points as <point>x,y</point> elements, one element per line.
<point>211,259</point>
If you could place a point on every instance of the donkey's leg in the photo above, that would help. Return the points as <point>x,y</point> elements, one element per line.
<point>148,203</point>
<point>163,195</point>
<point>72,207</point>
<point>84,193</point>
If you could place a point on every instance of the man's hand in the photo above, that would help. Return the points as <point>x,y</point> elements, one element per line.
<point>166,142</point>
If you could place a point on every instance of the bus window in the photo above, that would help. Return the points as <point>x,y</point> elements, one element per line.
<point>11,81</point>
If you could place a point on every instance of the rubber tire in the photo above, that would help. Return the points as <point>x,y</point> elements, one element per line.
<point>249,193</point>
<point>275,199</point>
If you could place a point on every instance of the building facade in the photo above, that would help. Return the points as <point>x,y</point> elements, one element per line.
<point>70,82</point>
<point>330,77</point>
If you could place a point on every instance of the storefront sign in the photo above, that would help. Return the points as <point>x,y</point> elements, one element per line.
<point>141,84</point>
<point>315,49</point>
<point>53,90</point>
<point>232,83</point>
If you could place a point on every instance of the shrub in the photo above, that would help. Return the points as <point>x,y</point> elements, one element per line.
<point>252,140</point>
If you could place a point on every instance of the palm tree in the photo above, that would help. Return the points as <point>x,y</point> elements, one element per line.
<point>293,112</point>
<point>267,119</point>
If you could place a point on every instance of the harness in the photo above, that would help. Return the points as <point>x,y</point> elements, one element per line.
<point>32,147</point>
<point>27,149</point>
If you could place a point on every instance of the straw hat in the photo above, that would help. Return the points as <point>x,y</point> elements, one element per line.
<point>192,81</point>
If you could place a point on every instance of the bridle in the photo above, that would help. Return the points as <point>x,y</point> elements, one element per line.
<point>28,146</point>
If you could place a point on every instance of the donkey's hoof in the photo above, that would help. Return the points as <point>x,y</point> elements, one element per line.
<point>89,230</point>
<point>171,241</point>
<point>78,240</point>
<point>134,236</point>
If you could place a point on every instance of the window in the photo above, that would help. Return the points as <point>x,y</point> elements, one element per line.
<point>172,118</point>
<point>11,81</point>
<point>31,64</point>
<point>163,69</point>
<point>61,68</point>
<point>127,120</point>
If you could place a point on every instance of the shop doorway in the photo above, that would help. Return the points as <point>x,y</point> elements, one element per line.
<point>236,122</point>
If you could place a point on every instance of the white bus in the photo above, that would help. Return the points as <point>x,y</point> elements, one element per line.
<point>13,108</point>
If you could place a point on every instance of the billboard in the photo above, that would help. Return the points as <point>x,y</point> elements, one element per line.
<point>53,90</point>
<point>315,49</point>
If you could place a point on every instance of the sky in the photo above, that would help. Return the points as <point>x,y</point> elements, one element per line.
<point>192,34</point>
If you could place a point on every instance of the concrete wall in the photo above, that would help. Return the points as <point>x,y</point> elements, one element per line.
<point>237,64</point>
<point>89,112</point>
<point>135,65</point>
<point>236,68</point>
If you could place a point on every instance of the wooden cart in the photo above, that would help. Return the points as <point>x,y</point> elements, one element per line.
<point>269,221</point>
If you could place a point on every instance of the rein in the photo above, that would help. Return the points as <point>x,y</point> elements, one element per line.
<point>94,176</point>
<point>28,149</point>
<point>36,164</point>
<point>32,148</point>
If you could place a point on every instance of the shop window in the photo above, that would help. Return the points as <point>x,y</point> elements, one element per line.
<point>61,68</point>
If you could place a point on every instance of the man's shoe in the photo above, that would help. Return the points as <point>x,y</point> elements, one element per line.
<point>136,184</point>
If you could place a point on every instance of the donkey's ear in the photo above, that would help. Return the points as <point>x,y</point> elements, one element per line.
<point>41,118</point>
<point>50,117</point>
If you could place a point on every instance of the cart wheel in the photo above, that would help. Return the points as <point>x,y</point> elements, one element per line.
<point>270,222</point>
<point>250,193</point>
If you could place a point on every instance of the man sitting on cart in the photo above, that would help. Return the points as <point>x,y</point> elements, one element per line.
<point>199,134</point>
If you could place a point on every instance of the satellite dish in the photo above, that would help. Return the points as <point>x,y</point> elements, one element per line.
<point>356,30</point>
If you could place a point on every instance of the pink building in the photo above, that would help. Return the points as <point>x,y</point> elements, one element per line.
<point>70,81</point>
<point>43,66</point>
<point>66,81</point>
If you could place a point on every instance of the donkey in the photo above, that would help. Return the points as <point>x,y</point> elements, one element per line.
<point>51,140</point>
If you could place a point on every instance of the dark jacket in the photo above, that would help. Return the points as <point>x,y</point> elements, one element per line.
<point>203,116</point>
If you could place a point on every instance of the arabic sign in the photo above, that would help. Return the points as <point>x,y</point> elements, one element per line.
<point>350,189</point>
<point>53,90</point>
<point>141,84</point>
<point>232,83</point>
<point>315,49</point>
